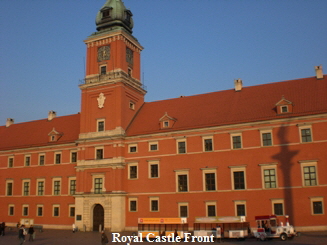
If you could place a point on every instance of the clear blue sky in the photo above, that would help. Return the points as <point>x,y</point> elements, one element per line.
<point>191,47</point>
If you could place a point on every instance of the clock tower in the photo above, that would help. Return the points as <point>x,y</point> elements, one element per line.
<point>112,93</point>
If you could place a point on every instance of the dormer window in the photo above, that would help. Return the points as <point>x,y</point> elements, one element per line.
<point>54,135</point>
<point>284,106</point>
<point>106,12</point>
<point>128,16</point>
<point>167,121</point>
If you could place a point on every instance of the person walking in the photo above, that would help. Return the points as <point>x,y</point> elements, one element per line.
<point>21,234</point>
<point>104,238</point>
<point>74,228</point>
<point>31,233</point>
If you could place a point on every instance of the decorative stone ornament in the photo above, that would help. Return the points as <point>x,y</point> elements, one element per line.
<point>101,99</point>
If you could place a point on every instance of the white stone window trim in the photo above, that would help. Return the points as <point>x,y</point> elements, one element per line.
<point>238,169</point>
<point>39,159</point>
<point>182,172</point>
<point>309,163</point>
<point>130,199</point>
<point>265,131</point>
<point>131,164</point>
<point>317,199</point>
<point>150,163</point>
<point>210,203</point>
<point>70,206</point>
<point>277,201</point>
<point>55,157</point>
<point>53,186</point>
<point>240,202</point>
<point>231,140</point>
<point>28,210</point>
<point>25,159</point>
<point>13,161</point>
<point>153,143</point>
<point>305,126</point>
<point>37,210</point>
<point>98,176</point>
<point>181,204</point>
<point>150,202</point>
<point>209,171</point>
<point>104,124</point>
<point>12,186</point>
<point>37,186</point>
<point>11,206</point>
<point>53,210</point>
<point>71,155</point>
<point>29,187</point>
<point>265,166</point>
<point>130,146</point>
<point>177,148</point>
<point>203,143</point>
<point>69,179</point>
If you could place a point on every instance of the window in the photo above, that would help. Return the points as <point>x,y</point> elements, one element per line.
<point>130,74</point>
<point>100,125</point>
<point>98,185</point>
<point>40,188</point>
<point>132,204</point>
<point>284,109</point>
<point>72,187</point>
<point>236,141</point>
<point>132,171</point>
<point>103,70</point>
<point>129,56</point>
<point>11,210</point>
<point>57,158</point>
<point>56,187</point>
<point>73,156</point>
<point>239,183</point>
<point>165,124</point>
<point>71,211</point>
<point>132,148</point>
<point>26,188</point>
<point>278,209</point>
<point>270,178</point>
<point>211,209</point>
<point>106,13</point>
<point>207,144</point>
<point>9,189</point>
<point>266,138</point>
<point>25,210</point>
<point>238,176</point>
<point>181,146</point>
<point>306,135</point>
<point>310,178</point>
<point>240,208</point>
<point>99,153</point>
<point>131,103</point>
<point>153,146</point>
<point>154,168</point>
<point>41,159</point>
<point>182,183</point>
<point>210,181</point>
<point>56,211</point>
<point>39,210</point>
<point>317,205</point>
<point>154,204</point>
<point>27,161</point>
<point>10,162</point>
<point>183,210</point>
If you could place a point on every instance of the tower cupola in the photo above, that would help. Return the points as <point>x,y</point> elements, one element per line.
<point>114,15</point>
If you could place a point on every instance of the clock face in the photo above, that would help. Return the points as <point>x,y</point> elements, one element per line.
<point>103,53</point>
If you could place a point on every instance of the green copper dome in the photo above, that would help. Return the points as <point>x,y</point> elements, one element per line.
<point>114,15</point>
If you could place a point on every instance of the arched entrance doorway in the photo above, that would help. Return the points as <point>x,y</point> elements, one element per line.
<point>98,217</point>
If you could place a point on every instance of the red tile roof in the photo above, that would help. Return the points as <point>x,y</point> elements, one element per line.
<point>35,133</point>
<point>255,103</point>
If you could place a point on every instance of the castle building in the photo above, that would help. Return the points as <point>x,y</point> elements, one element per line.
<point>246,151</point>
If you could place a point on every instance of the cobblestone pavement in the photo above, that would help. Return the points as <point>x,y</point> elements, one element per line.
<point>65,237</point>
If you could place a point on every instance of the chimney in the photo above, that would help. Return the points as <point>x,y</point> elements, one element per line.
<point>319,73</point>
<point>9,122</point>
<point>51,115</point>
<point>238,84</point>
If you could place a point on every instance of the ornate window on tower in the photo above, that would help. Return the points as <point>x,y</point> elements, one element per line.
<point>129,56</point>
<point>103,53</point>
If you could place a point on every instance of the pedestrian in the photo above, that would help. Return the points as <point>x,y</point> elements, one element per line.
<point>31,233</point>
<point>74,228</point>
<point>21,234</point>
<point>104,238</point>
<point>1,230</point>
